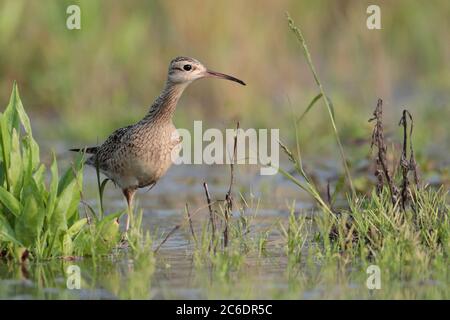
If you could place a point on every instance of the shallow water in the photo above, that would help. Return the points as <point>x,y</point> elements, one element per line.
<point>174,274</point>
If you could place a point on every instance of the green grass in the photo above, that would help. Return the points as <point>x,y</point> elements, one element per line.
<point>322,95</point>
<point>332,248</point>
<point>320,254</point>
<point>410,245</point>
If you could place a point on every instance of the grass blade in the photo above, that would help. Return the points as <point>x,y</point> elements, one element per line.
<point>311,104</point>
<point>328,105</point>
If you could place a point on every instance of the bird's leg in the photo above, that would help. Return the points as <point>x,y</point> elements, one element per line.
<point>129,195</point>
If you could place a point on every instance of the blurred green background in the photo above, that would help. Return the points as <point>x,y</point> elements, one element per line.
<point>79,85</point>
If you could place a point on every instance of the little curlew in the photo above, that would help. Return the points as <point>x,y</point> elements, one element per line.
<point>138,155</point>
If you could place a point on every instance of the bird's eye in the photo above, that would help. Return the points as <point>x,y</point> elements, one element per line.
<point>187,67</point>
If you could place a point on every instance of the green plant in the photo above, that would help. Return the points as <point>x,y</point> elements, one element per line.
<point>407,237</point>
<point>307,184</point>
<point>37,219</point>
<point>325,98</point>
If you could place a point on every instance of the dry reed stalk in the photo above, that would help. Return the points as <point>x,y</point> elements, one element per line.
<point>229,196</point>
<point>191,226</point>
<point>178,226</point>
<point>211,216</point>
<point>381,172</point>
<point>406,164</point>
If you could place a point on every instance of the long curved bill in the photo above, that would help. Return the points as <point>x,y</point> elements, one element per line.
<point>224,76</point>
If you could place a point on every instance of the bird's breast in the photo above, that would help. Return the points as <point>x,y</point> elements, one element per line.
<point>152,154</point>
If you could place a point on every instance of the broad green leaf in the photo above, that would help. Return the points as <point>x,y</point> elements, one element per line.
<point>6,147</point>
<point>110,231</point>
<point>67,245</point>
<point>34,147</point>
<point>6,232</point>
<point>41,245</point>
<point>20,111</point>
<point>11,115</point>
<point>44,221</point>
<point>54,244</point>
<point>39,179</point>
<point>72,213</point>
<point>10,202</point>
<point>53,190</point>
<point>2,171</point>
<point>29,224</point>
<point>70,175</point>
<point>27,164</point>
<point>16,169</point>
<point>107,235</point>
<point>110,217</point>
<point>76,227</point>
<point>83,243</point>
<point>68,196</point>
<point>59,215</point>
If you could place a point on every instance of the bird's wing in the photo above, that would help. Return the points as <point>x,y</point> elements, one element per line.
<point>113,141</point>
<point>111,145</point>
<point>116,137</point>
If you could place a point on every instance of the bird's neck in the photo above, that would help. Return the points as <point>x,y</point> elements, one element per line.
<point>163,108</point>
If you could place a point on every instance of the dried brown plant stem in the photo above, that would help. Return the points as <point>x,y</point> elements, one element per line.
<point>167,237</point>
<point>191,226</point>
<point>178,226</point>
<point>211,215</point>
<point>382,172</point>
<point>405,164</point>
<point>229,196</point>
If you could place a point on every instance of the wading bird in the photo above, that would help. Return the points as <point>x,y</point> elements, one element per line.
<point>138,155</point>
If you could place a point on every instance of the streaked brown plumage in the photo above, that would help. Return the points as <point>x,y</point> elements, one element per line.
<point>138,155</point>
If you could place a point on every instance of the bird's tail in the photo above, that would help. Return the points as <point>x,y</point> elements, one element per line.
<point>90,150</point>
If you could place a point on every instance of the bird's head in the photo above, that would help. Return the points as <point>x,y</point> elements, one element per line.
<point>186,70</point>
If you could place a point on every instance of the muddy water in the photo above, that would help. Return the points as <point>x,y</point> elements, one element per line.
<point>174,273</point>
